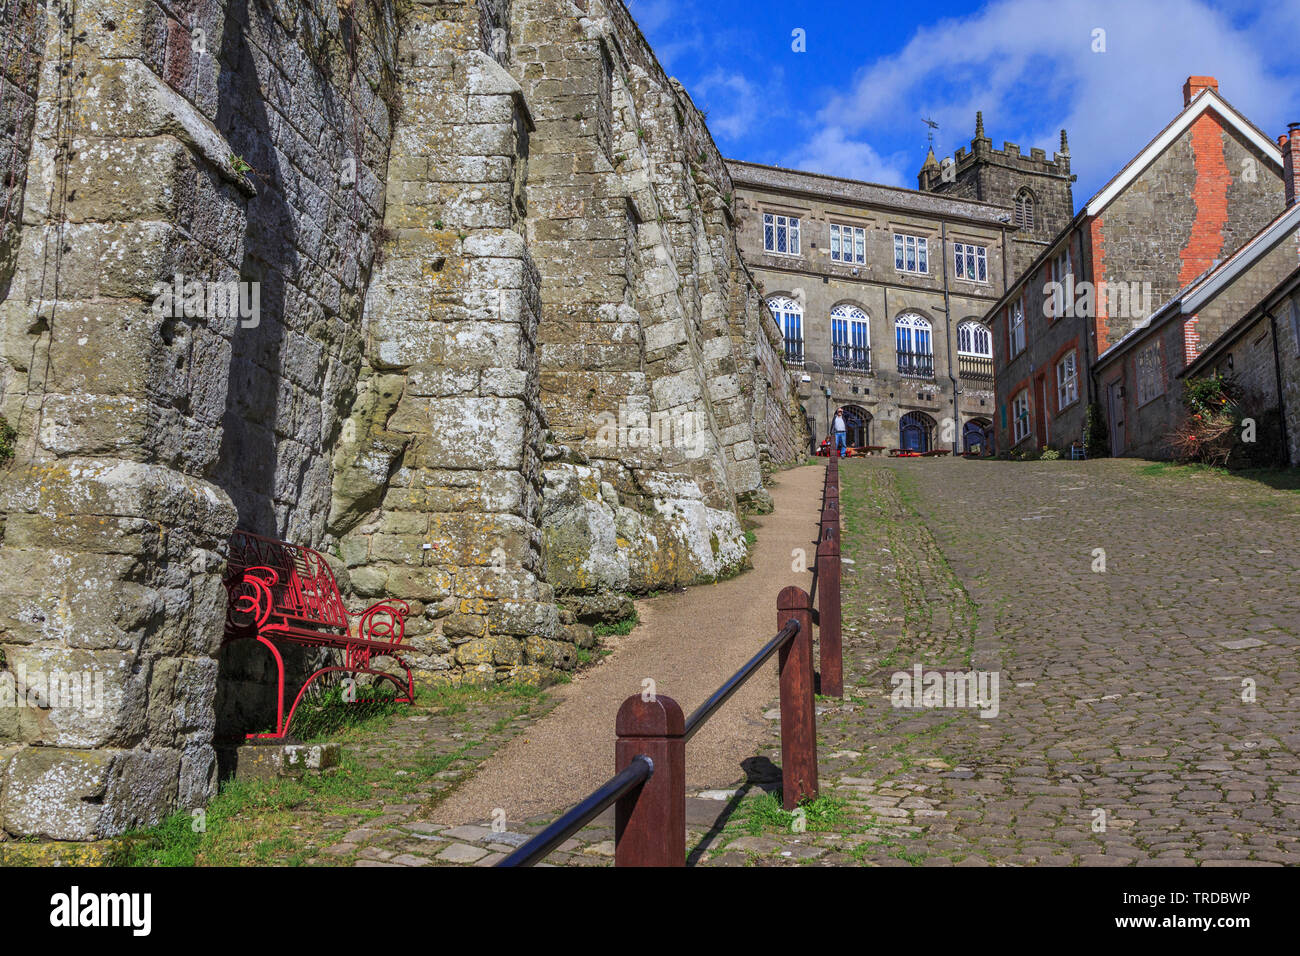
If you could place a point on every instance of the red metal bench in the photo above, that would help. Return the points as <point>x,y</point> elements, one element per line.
<point>284,592</point>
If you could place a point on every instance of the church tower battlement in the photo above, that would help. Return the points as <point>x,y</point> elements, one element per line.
<point>1037,191</point>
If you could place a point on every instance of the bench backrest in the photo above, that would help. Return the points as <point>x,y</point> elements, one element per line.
<point>275,584</point>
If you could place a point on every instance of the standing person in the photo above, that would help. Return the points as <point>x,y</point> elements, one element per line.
<point>841,430</point>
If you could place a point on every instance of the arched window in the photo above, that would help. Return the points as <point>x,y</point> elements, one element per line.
<point>913,341</point>
<point>850,338</point>
<point>974,339</point>
<point>1025,209</point>
<point>789,316</point>
<point>974,350</point>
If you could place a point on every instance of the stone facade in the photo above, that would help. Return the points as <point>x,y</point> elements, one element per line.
<point>951,394</point>
<point>210,151</point>
<point>1179,332</point>
<point>467,240</point>
<point>1203,187</point>
<point>21,52</point>
<point>1038,191</point>
<point>1288,364</point>
<point>1262,354</point>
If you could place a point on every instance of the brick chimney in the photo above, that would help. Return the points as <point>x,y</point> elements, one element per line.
<point>1195,84</point>
<point>1289,143</point>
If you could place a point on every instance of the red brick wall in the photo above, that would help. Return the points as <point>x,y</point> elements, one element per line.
<point>1210,193</point>
<point>1097,240</point>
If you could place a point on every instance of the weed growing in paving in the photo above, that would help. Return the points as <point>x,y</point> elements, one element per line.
<point>1282,479</point>
<point>764,814</point>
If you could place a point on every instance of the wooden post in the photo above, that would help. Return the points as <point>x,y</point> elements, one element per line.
<point>798,710</point>
<point>830,514</point>
<point>828,611</point>
<point>650,822</point>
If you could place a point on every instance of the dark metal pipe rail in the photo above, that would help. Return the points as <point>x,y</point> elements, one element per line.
<point>736,680</point>
<point>636,773</point>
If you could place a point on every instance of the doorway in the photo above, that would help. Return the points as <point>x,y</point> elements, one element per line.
<point>858,426</point>
<point>977,437</point>
<point>1115,406</point>
<point>915,432</point>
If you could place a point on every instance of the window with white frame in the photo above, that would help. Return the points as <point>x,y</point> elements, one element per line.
<point>789,316</point>
<point>914,344</point>
<point>1150,379</point>
<point>1016,338</point>
<point>974,339</point>
<point>848,244</point>
<point>780,234</point>
<point>1020,416</point>
<point>1058,270</point>
<point>911,254</point>
<point>1067,380</point>
<point>850,338</point>
<point>970,262</point>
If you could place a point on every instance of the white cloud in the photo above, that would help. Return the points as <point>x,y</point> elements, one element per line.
<point>831,152</point>
<point>651,14</point>
<point>733,102</point>
<point>1015,53</point>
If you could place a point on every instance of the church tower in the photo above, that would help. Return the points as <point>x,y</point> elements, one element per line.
<point>1037,191</point>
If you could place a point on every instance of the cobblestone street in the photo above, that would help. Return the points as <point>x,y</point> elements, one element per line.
<point>1121,692</point>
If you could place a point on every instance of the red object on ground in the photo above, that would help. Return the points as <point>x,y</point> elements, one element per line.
<point>284,592</point>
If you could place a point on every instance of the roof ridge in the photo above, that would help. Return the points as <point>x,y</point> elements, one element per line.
<point>867,182</point>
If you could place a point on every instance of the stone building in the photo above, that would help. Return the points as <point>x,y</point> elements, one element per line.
<point>1261,352</point>
<point>1239,318</point>
<point>447,290</point>
<point>1208,182</point>
<point>880,292</point>
<point>1038,191</point>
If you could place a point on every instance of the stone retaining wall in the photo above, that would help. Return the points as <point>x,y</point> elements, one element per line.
<point>505,362</point>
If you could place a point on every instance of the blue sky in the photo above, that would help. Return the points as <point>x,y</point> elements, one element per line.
<point>852,103</point>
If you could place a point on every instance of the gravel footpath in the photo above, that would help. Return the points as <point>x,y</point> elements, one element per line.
<point>688,643</point>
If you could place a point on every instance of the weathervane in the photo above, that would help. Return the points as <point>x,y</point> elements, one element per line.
<point>933,126</point>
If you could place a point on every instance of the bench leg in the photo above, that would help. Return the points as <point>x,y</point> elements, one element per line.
<point>410,680</point>
<point>281,725</point>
